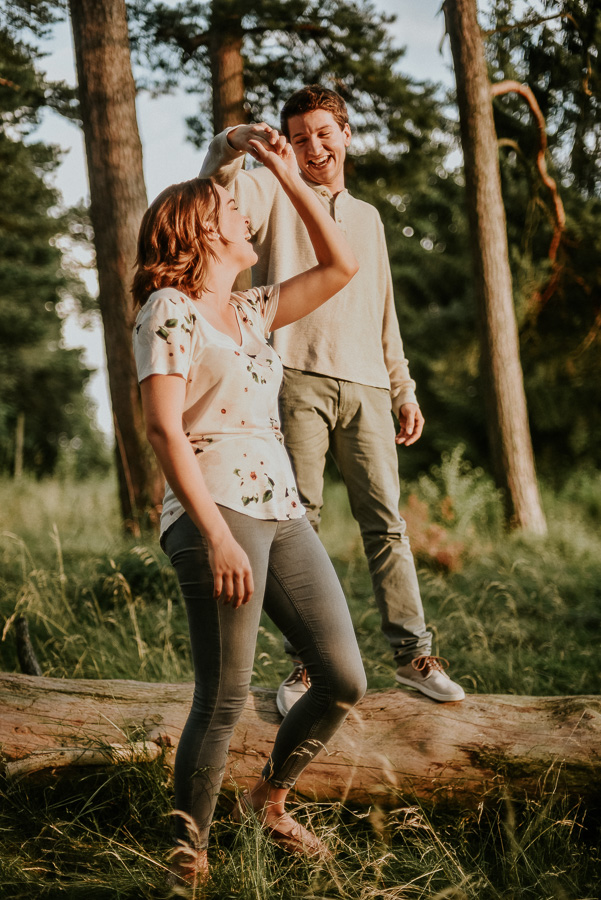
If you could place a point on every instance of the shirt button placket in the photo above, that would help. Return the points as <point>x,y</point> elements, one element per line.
<point>336,214</point>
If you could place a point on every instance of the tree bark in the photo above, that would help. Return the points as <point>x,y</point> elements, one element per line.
<point>394,745</point>
<point>227,81</point>
<point>19,445</point>
<point>508,427</point>
<point>118,202</point>
<point>227,66</point>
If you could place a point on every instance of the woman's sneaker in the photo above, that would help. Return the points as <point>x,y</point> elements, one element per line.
<point>427,674</point>
<point>292,689</point>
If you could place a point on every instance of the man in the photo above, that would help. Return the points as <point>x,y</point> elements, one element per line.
<point>344,367</point>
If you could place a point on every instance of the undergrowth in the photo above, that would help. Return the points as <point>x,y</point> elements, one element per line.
<point>104,837</point>
<point>513,614</point>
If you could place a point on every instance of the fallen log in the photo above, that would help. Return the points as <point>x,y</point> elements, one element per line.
<point>395,745</point>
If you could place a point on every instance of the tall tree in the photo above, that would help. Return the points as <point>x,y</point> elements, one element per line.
<point>554,47</point>
<point>508,427</point>
<point>118,201</point>
<point>245,57</point>
<point>42,405</point>
<point>272,47</point>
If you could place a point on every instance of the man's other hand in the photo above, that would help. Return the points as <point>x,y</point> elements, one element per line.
<point>411,424</point>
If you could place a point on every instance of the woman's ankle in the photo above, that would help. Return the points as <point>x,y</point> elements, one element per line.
<point>267,798</point>
<point>188,864</point>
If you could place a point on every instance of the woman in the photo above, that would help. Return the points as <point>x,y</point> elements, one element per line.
<point>232,524</point>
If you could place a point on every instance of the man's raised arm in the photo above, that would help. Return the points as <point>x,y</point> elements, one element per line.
<point>222,162</point>
<point>225,157</point>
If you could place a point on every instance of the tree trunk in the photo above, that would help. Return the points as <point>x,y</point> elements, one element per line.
<point>508,428</point>
<point>19,445</point>
<point>118,201</point>
<point>394,745</point>
<point>227,82</point>
<point>227,66</point>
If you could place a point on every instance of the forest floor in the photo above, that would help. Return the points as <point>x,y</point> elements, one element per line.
<point>512,614</point>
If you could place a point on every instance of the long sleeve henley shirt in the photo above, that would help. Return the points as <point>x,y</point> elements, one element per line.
<point>355,336</point>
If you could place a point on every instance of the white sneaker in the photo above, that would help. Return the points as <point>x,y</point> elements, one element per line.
<point>426,674</point>
<point>292,689</point>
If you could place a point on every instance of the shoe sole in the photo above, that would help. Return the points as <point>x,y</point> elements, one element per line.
<point>282,709</point>
<point>431,694</point>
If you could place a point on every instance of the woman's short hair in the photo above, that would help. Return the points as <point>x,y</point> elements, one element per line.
<point>173,243</point>
<point>310,98</point>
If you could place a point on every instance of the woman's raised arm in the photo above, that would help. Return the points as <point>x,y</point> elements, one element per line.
<point>336,263</point>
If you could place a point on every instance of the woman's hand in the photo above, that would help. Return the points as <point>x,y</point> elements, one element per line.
<point>232,574</point>
<point>279,157</point>
<point>239,137</point>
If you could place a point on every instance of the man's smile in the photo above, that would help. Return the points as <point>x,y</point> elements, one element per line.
<point>321,162</point>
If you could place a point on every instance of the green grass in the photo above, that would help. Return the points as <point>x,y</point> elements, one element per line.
<point>514,615</point>
<point>104,837</point>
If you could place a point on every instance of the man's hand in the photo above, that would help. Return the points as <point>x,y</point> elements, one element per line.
<point>279,160</point>
<point>240,136</point>
<point>411,424</point>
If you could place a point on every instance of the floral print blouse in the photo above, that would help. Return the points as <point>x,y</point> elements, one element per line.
<point>231,406</point>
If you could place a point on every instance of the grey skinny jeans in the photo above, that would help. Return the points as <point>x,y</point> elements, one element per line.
<point>296,584</point>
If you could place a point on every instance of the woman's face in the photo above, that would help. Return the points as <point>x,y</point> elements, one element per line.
<point>233,229</point>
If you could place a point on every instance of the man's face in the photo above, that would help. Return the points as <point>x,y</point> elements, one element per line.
<point>319,145</point>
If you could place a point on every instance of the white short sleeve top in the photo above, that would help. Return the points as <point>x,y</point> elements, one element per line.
<point>231,405</point>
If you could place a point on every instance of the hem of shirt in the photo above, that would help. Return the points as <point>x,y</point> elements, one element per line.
<point>240,509</point>
<point>163,529</point>
<point>379,387</point>
<point>404,395</point>
<point>248,511</point>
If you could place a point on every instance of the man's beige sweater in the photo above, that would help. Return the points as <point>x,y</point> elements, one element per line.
<point>354,336</point>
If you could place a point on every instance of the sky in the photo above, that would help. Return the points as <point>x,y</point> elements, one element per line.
<point>169,158</point>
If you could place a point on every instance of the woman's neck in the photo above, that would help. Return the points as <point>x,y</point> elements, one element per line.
<point>218,287</point>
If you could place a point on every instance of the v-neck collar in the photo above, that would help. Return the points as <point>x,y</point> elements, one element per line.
<point>218,330</point>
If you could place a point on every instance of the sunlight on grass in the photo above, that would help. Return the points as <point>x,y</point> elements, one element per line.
<point>106,835</point>
<point>513,614</point>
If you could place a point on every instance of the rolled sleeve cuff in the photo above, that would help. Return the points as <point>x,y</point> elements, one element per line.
<point>400,397</point>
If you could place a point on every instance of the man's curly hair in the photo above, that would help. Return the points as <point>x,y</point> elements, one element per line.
<point>310,98</point>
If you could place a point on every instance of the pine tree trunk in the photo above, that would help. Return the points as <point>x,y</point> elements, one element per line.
<point>508,427</point>
<point>118,201</point>
<point>227,82</point>
<point>394,746</point>
<point>227,66</point>
<point>19,445</point>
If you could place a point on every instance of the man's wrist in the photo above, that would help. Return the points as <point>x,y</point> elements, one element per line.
<point>228,137</point>
<point>400,400</point>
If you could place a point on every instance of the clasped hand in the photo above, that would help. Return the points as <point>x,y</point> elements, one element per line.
<point>265,144</point>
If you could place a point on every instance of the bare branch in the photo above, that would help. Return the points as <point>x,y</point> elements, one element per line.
<point>514,87</point>
<point>528,23</point>
<point>25,652</point>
